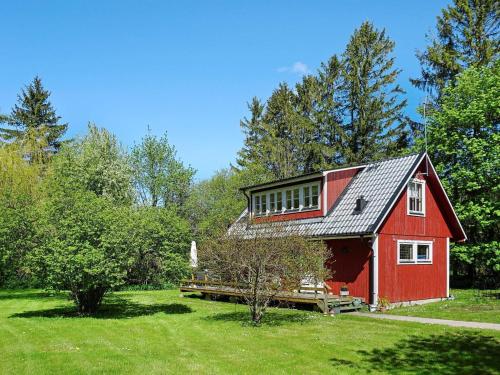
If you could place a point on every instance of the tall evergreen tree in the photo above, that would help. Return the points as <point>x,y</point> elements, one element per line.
<point>34,120</point>
<point>254,132</point>
<point>330,112</point>
<point>374,123</point>
<point>283,152</point>
<point>467,36</point>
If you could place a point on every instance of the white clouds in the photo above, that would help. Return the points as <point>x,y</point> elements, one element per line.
<point>297,67</point>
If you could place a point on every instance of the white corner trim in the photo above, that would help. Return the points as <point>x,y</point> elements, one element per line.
<point>375,270</point>
<point>447,267</point>
<point>325,193</point>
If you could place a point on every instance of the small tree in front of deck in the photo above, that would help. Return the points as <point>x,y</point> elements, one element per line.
<point>262,265</point>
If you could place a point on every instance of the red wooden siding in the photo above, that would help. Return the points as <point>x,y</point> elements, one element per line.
<point>351,266</point>
<point>290,216</point>
<point>336,183</point>
<point>409,282</point>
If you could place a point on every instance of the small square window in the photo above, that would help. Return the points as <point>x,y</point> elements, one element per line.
<point>405,253</point>
<point>413,252</point>
<point>423,253</point>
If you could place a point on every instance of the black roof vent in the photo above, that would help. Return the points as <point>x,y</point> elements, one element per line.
<point>361,203</point>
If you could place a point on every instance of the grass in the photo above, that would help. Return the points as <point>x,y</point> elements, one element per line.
<point>158,332</point>
<point>469,305</point>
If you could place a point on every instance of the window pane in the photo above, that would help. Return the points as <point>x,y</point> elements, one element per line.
<point>288,199</point>
<point>264,204</point>
<point>415,192</point>
<point>257,204</point>
<point>315,191</point>
<point>405,252</point>
<point>423,252</point>
<point>279,203</point>
<point>296,198</point>
<point>307,198</point>
<point>272,202</point>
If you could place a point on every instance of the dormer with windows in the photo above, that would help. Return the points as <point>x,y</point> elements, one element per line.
<point>287,199</point>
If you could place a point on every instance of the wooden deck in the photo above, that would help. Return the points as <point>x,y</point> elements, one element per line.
<point>320,297</point>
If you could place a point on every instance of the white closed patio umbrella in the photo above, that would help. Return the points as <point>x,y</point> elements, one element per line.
<point>193,255</point>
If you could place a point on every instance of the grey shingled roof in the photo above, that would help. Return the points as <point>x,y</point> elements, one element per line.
<point>380,183</point>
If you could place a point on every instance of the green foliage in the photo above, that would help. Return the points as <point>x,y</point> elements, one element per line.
<point>86,246</point>
<point>34,120</point>
<point>162,243</point>
<point>464,144</point>
<point>159,177</point>
<point>19,190</point>
<point>96,163</point>
<point>375,125</point>
<point>467,36</point>
<point>215,203</point>
<point>349,112</point>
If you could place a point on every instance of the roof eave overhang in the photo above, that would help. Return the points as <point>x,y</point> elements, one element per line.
<point>286,181</point>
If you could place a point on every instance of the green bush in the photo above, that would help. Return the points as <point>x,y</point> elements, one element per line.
<point>87,247</point>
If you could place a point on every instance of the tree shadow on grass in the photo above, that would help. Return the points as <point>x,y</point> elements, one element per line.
<point>453,353</point>
<point>113,308</point>
<point>270,318</point>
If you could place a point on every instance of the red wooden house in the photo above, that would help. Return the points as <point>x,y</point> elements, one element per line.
<point>389,225</point>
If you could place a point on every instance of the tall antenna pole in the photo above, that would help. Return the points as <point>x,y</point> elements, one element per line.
<point>425,136</point>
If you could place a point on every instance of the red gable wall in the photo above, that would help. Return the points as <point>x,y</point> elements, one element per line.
<point>407,282</point>
<point>336,183</point>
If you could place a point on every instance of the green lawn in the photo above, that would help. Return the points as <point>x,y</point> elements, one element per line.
<point>468,305</point>
<point>158,332</point>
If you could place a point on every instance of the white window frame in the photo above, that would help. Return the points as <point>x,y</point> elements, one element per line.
<point>410,212</point>
<point>414,244</point>
<point>266,195</point>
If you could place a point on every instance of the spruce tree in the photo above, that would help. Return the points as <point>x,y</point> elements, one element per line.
<point>254,132</point>
<point>34,120</point>
<point>282,153</point>
<point>329,112</point>
<point>374,124</point>
<point>467,36</point>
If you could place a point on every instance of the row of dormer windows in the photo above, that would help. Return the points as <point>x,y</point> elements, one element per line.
<point>290,199</point>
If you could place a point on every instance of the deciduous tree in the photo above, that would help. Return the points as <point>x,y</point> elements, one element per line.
<point>464,144</point>
<point>262,265</point>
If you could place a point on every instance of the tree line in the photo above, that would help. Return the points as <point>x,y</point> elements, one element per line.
<point>88,215</point>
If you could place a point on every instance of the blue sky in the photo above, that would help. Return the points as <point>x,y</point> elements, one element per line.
<point>188,67</point>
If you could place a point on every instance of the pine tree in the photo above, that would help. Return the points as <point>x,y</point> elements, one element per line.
<point>467,36</point>
<point>33,120</point>
<point>374,123</point>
